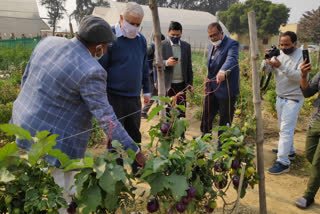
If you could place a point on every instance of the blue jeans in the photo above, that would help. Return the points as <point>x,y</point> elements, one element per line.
<point>287,112</point>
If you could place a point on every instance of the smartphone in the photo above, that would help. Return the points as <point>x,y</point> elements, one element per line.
<point>305,55</point>
<point>175,58</point>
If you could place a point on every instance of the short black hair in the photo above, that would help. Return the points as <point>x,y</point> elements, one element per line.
<point>291,34</point>
<point>175,26</point>
<point>215,24</point>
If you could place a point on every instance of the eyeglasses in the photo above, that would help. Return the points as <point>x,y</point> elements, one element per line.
<point>214,35</point>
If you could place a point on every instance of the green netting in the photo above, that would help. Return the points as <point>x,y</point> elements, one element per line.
<point>12,43</point>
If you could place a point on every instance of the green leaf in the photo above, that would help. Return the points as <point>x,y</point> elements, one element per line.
<point>178,185</point>
<point>87,162</point>
<point>154,112</point>
<point>179,128</point>
<point>116,144</point>
<point>147,173</point>
<point>158,163</point>
<point>99,167</point>
<point>158,184</point>
<point>8,149</point>
<point>93,195</point>
<point>163,99</point>
<point>6,176</point>
<point>41,148</point>
<point>11,129</point>
<point>236,132</point>
<point>107,182</point>
<point>80,179</point>
<point>62,157</point>
<point>198,186</point>
<point>132,155</point>
<point>119,174</point>
<point>42,135</point>
<point>111,202</point>
<point>182,108</point>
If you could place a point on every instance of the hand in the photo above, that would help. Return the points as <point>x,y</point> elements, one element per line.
<point>220,77</point>
<point>141,159</point>
<point>172,62</point>
<point>275,64</point>
<point>305,68</point>
<point>146,100</point>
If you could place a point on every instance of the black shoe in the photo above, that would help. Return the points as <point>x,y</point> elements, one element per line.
<point>291,157</point>
<point>72,207</point>
<point>304,203</point>
<point>144,115</point>
<point>278,168</point>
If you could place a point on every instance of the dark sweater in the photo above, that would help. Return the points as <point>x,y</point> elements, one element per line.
<point>126,63</point>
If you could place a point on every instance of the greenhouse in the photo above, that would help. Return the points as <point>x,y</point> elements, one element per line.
<point>20,18</point>
<point>194,23</point>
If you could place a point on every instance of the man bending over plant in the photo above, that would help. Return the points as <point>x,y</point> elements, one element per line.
<point>63,88</point>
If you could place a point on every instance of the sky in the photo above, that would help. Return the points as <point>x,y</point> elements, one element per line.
<point>297,8</point>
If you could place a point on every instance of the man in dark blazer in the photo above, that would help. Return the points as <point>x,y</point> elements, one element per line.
<point>178,72</point>
<point>222,85</point>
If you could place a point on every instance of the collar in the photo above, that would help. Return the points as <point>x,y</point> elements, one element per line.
<point>119,31</point>
<point>171,43</point>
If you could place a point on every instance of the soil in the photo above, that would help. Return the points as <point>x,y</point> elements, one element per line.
<point>281,190</point>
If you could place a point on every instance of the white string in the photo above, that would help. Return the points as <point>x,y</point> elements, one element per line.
<point>123,116</point>
<point>97,127</point>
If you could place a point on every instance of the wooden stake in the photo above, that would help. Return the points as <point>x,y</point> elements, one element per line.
<point>257,108</point>
<point>158,52</point>
<point>243,170</point>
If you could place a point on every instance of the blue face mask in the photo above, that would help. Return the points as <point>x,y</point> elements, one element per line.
<point>288,51</point>
<point>175,40</point>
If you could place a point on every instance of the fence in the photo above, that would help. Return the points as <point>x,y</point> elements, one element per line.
<point>26,42</point>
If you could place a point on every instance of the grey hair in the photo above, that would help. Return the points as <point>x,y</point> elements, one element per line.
<point>132,9</point>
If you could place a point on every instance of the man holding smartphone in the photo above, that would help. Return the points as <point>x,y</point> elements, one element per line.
<point>178,72</point>
<point>312,148</point>
<point>289,97</point>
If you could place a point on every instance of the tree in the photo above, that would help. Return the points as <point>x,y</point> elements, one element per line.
<point>55,11</point>
<point>85,7</point>
<point>309,27</point>
<point>269,17</point>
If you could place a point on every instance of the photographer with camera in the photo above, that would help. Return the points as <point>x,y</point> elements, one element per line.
<point>286,66</point>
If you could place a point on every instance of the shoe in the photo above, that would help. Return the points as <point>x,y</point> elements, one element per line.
<point>144,115</point>
<point>291,157</point>
<point>278,168</point>
<point>304,203</point>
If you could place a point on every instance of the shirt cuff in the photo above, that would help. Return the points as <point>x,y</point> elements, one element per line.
<point>222,72</point>
<point>147,94</point>
<point>137,152</point>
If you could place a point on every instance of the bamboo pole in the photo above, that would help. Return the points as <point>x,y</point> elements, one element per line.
<point>318,58</point>
<point>257,109</point>
<point>243,170</point>
<point>158,52</point>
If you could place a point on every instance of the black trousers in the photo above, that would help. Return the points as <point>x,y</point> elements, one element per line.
<point>124,106</point>
<point>211,107</point>
<point>181,98</point>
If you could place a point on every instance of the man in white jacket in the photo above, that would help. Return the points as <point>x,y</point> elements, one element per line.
<point>286,67</point>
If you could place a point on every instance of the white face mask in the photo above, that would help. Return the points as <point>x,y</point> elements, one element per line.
<point>216,43</point>
<point>98,57</point>
<point>129,30</point>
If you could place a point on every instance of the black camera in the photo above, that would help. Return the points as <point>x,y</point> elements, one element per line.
<point>273,51</point>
